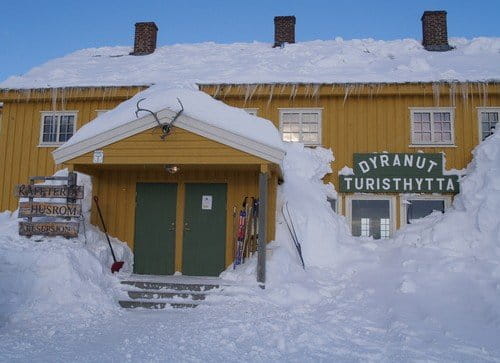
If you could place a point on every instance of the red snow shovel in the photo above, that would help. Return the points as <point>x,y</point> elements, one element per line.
<point>117,265</point>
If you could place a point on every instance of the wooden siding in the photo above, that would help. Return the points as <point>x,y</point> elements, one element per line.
<point>180,147</point>
<point>115,187</point>
<point>372,118</point>
<point>20,155</point>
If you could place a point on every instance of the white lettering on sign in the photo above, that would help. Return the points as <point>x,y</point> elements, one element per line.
<point>98,157</point>
<point>206,202</point>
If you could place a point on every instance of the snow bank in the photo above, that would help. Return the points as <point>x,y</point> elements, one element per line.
<point>475,213</point>
<point>196,104</point>
<point>330,61</point>
<point>42,277</point>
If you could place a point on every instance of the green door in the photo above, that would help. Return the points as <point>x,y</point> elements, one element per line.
<point>155,228</point>
<point>204,245</point>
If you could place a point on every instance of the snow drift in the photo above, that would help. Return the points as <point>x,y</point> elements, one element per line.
<point>49,276</point>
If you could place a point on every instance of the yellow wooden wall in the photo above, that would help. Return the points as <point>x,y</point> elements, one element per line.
<point>180,147</point>
<point>371,118</point>
<point>116,189</point>
<point>20,156</point>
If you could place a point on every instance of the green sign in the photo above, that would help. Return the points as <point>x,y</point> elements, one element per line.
<point>398,173</point>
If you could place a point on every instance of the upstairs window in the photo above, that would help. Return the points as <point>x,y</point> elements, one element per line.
<point>488,121</point>
<point>301,125</point>
<point>57,127</point>
<point>432,126</point>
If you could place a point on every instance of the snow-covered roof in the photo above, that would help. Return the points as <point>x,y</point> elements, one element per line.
<point>202,115</point>
<point>331,61</point>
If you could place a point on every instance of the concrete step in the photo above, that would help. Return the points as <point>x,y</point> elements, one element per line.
<point>152,285</point>
<point>127,304</point>
<point>164,295</point>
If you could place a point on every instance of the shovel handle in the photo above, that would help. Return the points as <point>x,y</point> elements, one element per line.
<point>96,200</point>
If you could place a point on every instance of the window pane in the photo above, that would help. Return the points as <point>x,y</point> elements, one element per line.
<point>420,208</point>
<point>426,117</point>
<point>426,126</point>
<point>417,117</point>
<point>66,127</point>
<point>373,211</point>
<point>291,117</point>
<point>49,129</point>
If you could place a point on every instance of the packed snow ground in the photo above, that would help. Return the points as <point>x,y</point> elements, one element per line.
<point>430,293</point>
<point>329,61</point>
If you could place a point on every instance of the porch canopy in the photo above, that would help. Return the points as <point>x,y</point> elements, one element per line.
<point>209,142</point>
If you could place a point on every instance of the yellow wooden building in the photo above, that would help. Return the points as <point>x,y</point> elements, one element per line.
<point>396,98</point>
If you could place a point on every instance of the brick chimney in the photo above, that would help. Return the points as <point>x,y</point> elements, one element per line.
<point>145,38</point>
<point>284,30</point>
<point>435,31</point>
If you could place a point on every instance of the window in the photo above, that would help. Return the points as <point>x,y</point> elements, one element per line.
<point>432,126</point>
<point>301,125</point>
<point>488,121</point>
<point>414,207</point>
<point>252,111</point>
<point>371,215</point>
<point>57,127</point>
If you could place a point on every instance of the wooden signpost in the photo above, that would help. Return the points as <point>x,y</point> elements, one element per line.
<point>50,210</point>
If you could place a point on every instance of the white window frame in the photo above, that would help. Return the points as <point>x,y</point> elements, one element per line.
<point>403,198</point>
<point>479,123</point>
<point>41,143</point>
<point>366,196</point>
<point>318,110</point>
<point>252,111</point>
<point>431,110</point>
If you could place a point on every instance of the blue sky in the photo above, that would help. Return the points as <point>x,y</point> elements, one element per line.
<point>33,32</point>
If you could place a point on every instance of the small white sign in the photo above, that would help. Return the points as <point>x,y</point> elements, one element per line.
<point>98,157</point>
<point>206,202</point>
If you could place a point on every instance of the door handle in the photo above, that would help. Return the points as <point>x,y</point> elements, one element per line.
<point>172,227</point>
<point>186,227</point>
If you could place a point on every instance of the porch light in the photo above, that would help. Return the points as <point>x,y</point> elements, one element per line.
<point>172,169</point>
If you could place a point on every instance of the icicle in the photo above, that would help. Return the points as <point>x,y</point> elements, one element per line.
<point>63,99</point>
<point>283,87</point>
<point>348,88</point>
<point>307,89</point>
<point>217,90</point>
<point>316,88</point>
<point>453,91</point>
<point>436,89</point>
<point>271,91</point>
<point>464,90</point>
<point>228,89</point>
<point>484,94</point>
<point>293,91</point>
<point>54,99</point>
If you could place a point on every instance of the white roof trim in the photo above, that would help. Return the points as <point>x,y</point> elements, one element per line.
<point>185,122</point>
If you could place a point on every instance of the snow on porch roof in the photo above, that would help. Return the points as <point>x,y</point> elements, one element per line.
<point>331,61</point>
<point>202,115</point>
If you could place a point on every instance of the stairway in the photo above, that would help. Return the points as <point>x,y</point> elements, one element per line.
<point>164,294</point>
